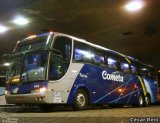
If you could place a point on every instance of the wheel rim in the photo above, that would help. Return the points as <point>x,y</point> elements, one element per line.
<point>141,100</point>
<point>81,100</point>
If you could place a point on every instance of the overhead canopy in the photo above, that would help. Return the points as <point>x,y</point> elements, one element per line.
<point>104,22</point>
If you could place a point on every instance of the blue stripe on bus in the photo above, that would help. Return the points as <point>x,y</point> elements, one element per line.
<point>130,94</point>
<point>106,91</point>
<point>126,83</point>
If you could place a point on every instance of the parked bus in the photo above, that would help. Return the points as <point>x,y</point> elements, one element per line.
<point>56,69</point>
<point>2,85</point>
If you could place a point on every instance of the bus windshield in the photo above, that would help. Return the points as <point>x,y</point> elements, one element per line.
<point>33,44</point>
<point>28,67</point>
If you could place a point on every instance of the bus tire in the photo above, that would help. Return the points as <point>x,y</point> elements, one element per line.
<point>80,100</point>
<point>147,101</point>
<point>140,102</point>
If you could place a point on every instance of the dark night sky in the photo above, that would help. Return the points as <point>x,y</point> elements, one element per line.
<point>104,22</point>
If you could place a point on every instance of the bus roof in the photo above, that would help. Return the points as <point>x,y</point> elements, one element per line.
<point>86,42</point>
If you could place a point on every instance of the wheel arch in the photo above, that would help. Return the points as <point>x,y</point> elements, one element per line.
<point>87,92</point>
<point>74,90</point>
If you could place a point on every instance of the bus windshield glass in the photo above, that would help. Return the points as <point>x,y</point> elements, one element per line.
<point>34,43</point>
<point>29,67</point>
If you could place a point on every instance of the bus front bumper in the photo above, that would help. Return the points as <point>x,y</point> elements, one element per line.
<point>35,98</point>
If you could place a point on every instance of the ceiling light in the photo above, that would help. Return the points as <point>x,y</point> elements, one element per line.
<point>20,21</point>
<point>134,5</point>
<point>3,29</point>
<point>6,64</point>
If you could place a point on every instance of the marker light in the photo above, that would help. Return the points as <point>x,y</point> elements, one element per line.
<point>120,90</point>
<point>3,29</point>
<point>135,86</point>
<point>20,21</point>
<point>134,5</point>
<point>16,79</point>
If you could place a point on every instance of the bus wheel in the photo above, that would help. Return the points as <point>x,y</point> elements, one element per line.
<point>147,101</point>
<point>140,102</point>
<point>80,100</point>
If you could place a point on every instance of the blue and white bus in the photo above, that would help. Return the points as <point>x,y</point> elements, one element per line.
<point>57,69</point>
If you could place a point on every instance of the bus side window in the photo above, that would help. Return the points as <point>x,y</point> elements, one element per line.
<point>64,44</point>
<point>98,57</point>
<point>125,67</point>
<point>112,63</point>
<point>133,69</point>
<point>82,52</point>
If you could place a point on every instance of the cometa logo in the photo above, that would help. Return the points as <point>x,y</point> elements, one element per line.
<point>112,77</point>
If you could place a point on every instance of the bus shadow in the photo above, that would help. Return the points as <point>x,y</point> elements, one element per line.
<point>36,109</point>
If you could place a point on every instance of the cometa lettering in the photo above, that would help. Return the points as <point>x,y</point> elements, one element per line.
<point>112,77</point>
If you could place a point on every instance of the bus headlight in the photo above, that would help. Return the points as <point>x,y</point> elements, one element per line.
<point>42,90</point>
<point>39,90</point>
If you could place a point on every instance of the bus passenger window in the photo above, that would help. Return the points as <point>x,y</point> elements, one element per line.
<point>124,67</point>
<point>98,57</point>
<point>133,69</point>
<point>64,44</point>
<point>112,63</point>
<point>82,52</point>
